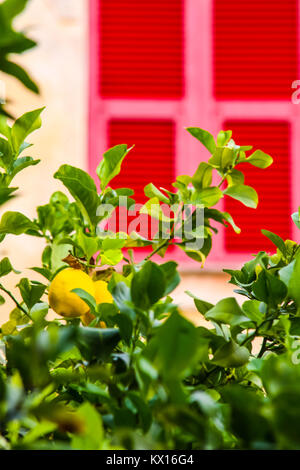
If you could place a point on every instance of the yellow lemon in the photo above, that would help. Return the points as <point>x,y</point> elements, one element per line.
<point>102,294</point>
<point>62,300</point>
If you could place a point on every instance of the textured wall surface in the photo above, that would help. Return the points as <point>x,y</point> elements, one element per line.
<point>59,65</point>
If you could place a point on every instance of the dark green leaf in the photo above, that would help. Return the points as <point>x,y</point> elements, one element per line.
<point>269,289</point>
<point>276,240</point>
<point>18,72</point>
<point>231,355</point>
<point>82,188</point>
<point>177,343</point>
<point>148,285</point>
<point>31,293</point>
<point>172,278</point>
<point>227,311</point>
<point>204,137</point>
<point>97,343</point>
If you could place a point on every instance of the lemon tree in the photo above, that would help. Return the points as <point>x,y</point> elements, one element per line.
<point>119,366</point>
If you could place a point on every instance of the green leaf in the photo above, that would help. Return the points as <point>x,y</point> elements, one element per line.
<point>22,163</point>
<point>203,176</point>
<point>12,8</point>
<point>45,272</point>
<point>110,166</point>
<point>269,289</point>
<point>8,328</point>
<point>204,137</point>
<point>148,285</point>
<point>58,253</point>
<point>177,346</point>
<point>245,194</point>
<point>152,191</point>
<point>4,127</point>
<point>208,196</point>
<point>201,305</point>
<point>223,138</point>
<point>6,194</point>
<point>227,311</point>
<point>40,429</point>
<point>125,326</point>
<point>89,245</point>
<point>92,436</point>
<point>6,154</point>
<point>183,180</point>
<point>277,240</point>
<point>196,255</point>
<point>142,410</point>
<point>24,126</point>
<point>18,72</point>
<point>6,267</point>
<point>113,244</point>
<point>15,223</point>
<point>172,278</point>
<point>82,188</point>
<point>95,343</point>
<point>260,159</point>
<point>39,311</point>
<point>231,355</point>
<point>31,293</point>
<point>252,311</point>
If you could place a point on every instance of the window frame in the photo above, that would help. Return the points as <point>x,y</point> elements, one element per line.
<point>198,107</point>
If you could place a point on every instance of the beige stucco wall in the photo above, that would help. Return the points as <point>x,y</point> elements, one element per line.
<point>59,65</point>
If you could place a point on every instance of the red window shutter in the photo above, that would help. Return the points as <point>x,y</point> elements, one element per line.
<point>151,160</point>
<point>141,49</point>
<point>272,185</point>
<point>256,48</point>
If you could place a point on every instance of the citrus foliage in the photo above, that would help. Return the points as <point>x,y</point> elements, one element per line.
<point>135,373</point>
<point>13,42</point>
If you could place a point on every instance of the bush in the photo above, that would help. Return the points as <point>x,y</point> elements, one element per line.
<point>133,373</point>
